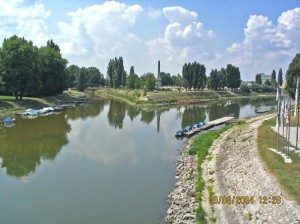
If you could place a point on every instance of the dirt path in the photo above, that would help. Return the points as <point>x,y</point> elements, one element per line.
<point>237,171</point>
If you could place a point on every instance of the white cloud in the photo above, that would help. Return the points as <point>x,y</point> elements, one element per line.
<point>27,21</point>
<point>154,13</point>
<point>185,39</point>
<point>101,32</point>
<point>266,46</point>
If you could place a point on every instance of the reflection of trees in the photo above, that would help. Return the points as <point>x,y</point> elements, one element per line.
<point>193,114</point>
<point>116,114</point>
<point>29,141</point>
<point>132,112</point>
<point>91,109</point>
<point>147,116</point>
<point>221,109</point>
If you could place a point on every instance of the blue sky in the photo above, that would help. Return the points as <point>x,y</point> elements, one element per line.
<point>257,36</point>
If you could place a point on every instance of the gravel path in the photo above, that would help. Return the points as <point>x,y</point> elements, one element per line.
<point>235,170</point>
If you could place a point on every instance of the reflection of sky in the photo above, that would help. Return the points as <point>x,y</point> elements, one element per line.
<point>94,139</point>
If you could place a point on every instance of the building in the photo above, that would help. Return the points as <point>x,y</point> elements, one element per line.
<point>264,77</point>
<point>158,79</point>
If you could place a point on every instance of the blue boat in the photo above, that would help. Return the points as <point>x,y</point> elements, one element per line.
<point>179,133</point>
<point>187,128</point>
<point>195,126</point>
<point>201,124</point>
<point>8,120</point>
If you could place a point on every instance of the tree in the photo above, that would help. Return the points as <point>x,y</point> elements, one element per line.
<point>116,72</point>
<point>82,79</point>
<point>222,77</point>
<point>273,78</point>
<point>19,67</point>
<point>258,79</point>
<point>131,81</point>
<point>72,74</point>
<point>214,79</point>
<point>233,76</point>
<point>53,70</point>
<point>267,82</point>
<point>280,77</point>
<point>194,73</point>
<point>244,88</point>
<point>166,79</point>
<point>148,81</point>
<point>95,77</point>
<point>292,75</point>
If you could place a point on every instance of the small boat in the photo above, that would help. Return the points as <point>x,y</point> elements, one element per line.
<point>201,124</point>
<point>179,133</point>
<point>187,128</point>
<point>32,112</point>
<point>195,126</point>
<point>8,120</point>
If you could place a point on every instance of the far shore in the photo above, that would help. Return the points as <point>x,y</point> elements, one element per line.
<point>10,106</point>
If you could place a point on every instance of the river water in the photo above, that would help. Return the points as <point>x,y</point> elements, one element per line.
<point>104,162</point>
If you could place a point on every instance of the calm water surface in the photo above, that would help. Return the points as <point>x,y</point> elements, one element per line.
<point>105,162</point>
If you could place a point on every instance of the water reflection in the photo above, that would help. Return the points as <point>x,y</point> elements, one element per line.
<point>116,114</point>
<point>30,141</point>
<point>24,146</point>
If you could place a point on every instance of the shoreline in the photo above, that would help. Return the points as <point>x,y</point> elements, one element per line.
<point>182,199</point>
<point>237,170</point>
<point>232,167</point>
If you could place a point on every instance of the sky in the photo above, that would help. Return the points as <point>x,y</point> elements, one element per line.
<point>256,36</point>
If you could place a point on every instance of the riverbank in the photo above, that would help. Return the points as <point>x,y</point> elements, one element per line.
<point>10,106</point>
<point>234,168</point>
<point>237,171</point>
<point>171,98</point>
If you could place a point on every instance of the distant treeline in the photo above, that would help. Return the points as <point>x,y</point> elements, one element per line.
<point>26,70</point>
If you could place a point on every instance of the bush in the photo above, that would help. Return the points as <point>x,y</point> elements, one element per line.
<point>136,93</point>
<point>244,88</point>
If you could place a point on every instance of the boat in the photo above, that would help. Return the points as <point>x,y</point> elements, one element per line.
<point>8,120</point>
<point>179,133</point>
<point>187,128</point>
<point>201,124</point>
<point>32,112</point>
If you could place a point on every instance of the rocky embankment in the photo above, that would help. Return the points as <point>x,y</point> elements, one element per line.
<point>236,171</point>
<point>182,200</point>
<point>233,169</point>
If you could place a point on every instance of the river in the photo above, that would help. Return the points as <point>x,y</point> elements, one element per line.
<point>104,162</point>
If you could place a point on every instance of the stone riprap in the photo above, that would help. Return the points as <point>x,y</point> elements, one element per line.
<point>182,199</point>
<point>231,168</point>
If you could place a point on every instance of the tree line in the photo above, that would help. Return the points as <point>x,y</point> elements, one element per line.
<point>272,81</point>
<point>28,70</point>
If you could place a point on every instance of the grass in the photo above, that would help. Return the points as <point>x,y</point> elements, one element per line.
<point>288,175</point>
<point>200,147</point>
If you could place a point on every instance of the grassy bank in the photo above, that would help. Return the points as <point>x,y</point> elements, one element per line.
<point>288,175</point>
<point>164,98</point>
<point>9,106</point>
<point>200,146</point>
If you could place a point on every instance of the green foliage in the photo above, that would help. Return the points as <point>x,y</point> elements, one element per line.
<point>244,88</point>
<point>194,73</point>
<point>116,73</point>
<point>95,77</point>
<point>148,81</point>
<point>132,81</point>
<point>258,79</point>
<point>166,79</point>
<point>82,79</point>
<point>214,79</point>
<point>280,77</point>
<point>292,74</point>
<point>233,76</point>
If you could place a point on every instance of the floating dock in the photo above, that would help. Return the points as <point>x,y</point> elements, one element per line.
<point>210,124</point>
